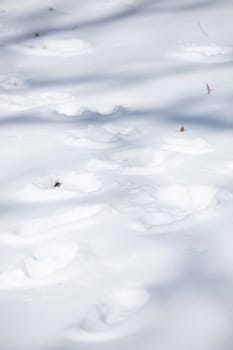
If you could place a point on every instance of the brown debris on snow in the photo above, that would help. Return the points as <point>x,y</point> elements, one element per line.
<point>57,184</point>
<point>182,129</point>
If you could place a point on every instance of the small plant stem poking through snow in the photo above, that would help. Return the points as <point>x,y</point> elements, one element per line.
<point>182,129</point>
<point>208,89</point>
<point>57,184</point>
<point>51,9</point>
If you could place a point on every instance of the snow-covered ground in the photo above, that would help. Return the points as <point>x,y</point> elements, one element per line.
<point>116,227</point>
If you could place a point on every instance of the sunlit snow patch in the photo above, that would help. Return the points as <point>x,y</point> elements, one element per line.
<point>168,205</point>
<point>205,53</point>
<point>99,165</point>
<point>187,145</point>
<point>99,137</point>
<point>44,267</point>
<point>71,185</point>
<point>59,47</point>
<point>226,167</point>
<point>57,101</point>
<point>46,228</point>
<point>140,161</point>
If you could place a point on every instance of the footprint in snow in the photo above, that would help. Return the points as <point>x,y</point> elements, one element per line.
<point>114,318</point>
<point>186,145</point>
<point>48,259</point>
<point>100,137</point>
<point>45,266</point>
<point>140,161</point>
<point>167,206</point>
<point>72,185</point>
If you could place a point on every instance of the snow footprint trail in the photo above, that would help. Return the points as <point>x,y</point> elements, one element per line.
<point>100,137</point>
<point>140,161</point>
<point>148,161</point>
<point>47,265</point>
<point>73,185</point>
<point>114,318</point>
<point>63,222</point>
<point>167,206</point>
<point>48,259</point>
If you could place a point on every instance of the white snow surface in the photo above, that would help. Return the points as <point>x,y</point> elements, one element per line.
<point>116,225</point>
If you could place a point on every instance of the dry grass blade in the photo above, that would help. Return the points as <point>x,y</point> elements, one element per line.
<point>208,89</point>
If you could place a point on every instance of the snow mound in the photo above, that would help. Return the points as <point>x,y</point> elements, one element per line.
<point>82,182</point>
<point>187,145</point>
<point>186,198</point>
